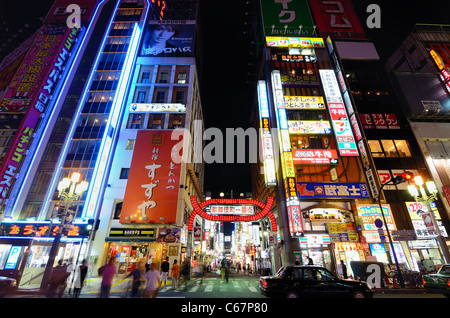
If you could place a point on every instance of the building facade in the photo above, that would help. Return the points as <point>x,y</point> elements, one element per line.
<point>118,95</point>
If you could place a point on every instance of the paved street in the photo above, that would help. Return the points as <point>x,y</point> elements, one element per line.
<point>239,286</point>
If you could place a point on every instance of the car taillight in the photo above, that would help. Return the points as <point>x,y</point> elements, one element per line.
<point>424,281</point>
<point>448,281</point>
<point>264,283</point>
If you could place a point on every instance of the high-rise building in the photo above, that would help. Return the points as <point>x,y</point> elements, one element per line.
<point>419,70</point>
<point>333,134</point>
<point>111,113</point>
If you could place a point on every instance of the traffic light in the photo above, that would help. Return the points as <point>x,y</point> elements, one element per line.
<point>405,176</point>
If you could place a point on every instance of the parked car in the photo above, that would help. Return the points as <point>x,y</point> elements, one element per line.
<point>311,281</point>
<point>439,282</point>
<point>8,285</point>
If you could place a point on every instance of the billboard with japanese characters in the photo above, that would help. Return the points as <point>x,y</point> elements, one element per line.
<point>35,82</point>
<point>335,190</point>
<point>151,195</point>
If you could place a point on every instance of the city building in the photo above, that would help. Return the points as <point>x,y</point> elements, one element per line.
<point>419,70</point>
<point>114,105</point>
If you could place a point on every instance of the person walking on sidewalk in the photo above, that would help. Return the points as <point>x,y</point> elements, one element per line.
<point>165,266</point>
<point>107,271</point>
<point>185,271</point>
<point>137,275</point>
<point>152,282</point>
<point>175,272</point>
<point>81,275</point>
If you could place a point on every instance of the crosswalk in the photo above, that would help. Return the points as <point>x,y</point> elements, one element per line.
<point>218,285</point>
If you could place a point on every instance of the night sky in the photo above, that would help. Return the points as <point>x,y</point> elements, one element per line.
<point>226,95</point>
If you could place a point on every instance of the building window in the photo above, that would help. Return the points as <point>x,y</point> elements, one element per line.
<point>160,97</point>
<point>182,78</point>
<point>145,77</point>
<point>124,173</point>
<point>117,210</point>
<point>164,77</point>
<point>130,144</point>
<point>140,98</point>
<point>179,97</point>
<point>389,148</point>
<point>156,121</point>
<point>176,121</point>
<point>375,148</point>
<point>135,121</point>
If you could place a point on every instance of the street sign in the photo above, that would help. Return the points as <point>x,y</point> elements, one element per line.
<point>404,232</point>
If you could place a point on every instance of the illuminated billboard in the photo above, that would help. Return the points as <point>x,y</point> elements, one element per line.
<point>309,127</point>
<point>282,41</point>
<point>151,195</point>
<point>315,156</point>
<point>337,19</point>
<point>169,38</point>
<point>341,125</point>
<point>304,102</point>
<point>287,18</point>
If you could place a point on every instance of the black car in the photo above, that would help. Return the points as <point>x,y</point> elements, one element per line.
<point>7,286</point>
<point>311,281</point>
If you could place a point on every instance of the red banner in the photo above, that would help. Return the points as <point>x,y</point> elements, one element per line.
<point>153,183</point>
<point>337,19</point>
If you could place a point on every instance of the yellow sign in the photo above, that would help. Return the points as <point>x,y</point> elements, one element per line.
<point>437,59</point>
<point>287,164</point>
<point>304,102</point>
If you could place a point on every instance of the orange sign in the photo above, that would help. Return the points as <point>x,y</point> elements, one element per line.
<point>153,181</point>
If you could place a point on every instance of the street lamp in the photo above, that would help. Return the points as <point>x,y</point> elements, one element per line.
<point>406,176</point>
<point>421,195</point>
<point>70,190</point>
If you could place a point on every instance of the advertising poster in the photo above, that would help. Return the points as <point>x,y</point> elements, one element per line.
<point>153,181</point>
<point>171,38</point>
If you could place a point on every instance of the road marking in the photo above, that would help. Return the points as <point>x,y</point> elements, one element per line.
<point>194,289</point>
<point>253,289</point>
<point>209,288</point>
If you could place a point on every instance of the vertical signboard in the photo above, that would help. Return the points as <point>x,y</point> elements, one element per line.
<point>287,162</point>
<point>266,136</point>
<point>288,18</point>
<point>151,195</point>
<point>36,80</point>
<point>341,125</point>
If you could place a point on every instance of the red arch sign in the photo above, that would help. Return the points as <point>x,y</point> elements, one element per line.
<point>265,210</point>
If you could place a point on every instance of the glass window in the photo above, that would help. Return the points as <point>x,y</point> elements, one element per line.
<point>160,97</point>
<point>164,77</point>
<point>308,274</point>
<point>389,148</point>
<point>323,275</point>
<point>156,121</point>
<point>145,77</point>
<point>140,97</point>
<point>124,173</point>
<point>402,148</point>
<point>130,144</point>
<point>117,210</point>
<point>182,78</point>
<point>176,121</point>
<point>135,121</point>
<point>179,97</point>
<point>375,148</point>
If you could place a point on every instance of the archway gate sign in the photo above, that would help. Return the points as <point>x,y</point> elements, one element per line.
<point>265,211</point>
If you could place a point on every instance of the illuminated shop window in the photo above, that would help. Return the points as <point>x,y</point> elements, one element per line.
<point>182,77</point>
<point>402,148</point>
<point>176,121</point>
<point>389,148</point>
<point>135,121</point>
<point>375,148</point>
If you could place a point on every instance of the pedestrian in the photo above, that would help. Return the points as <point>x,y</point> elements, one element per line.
<point>185,271</point>
<point>175,272</point>
<point>344,269</point>
<point>137,275</point>
<point>165,266</point>
<point>80,276</point>
<point>57,282</point>
<point>227,271</point>
<point>107,271</point>
<point>152,282</point>
<point>310,261</point>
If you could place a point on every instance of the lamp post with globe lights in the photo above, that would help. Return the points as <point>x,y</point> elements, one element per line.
<point>69,190</point>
